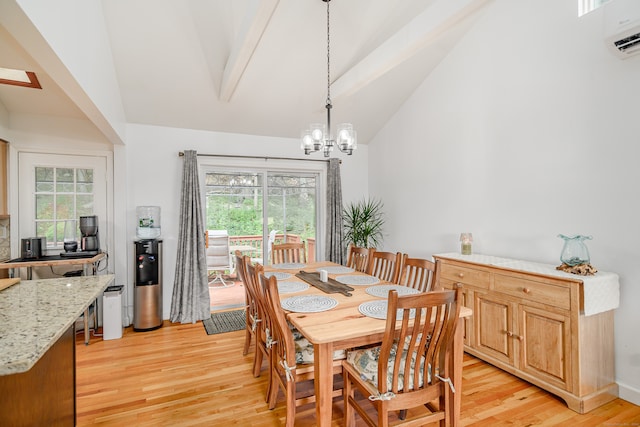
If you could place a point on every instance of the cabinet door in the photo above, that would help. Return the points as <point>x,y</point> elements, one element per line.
<point>467,301</point>
<point>545,345</point>
<point>494,327</point>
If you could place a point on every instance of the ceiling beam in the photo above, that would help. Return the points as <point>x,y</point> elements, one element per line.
<point>253,26</point>
<point>420,32</point>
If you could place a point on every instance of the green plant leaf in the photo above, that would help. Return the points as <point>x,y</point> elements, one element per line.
<point>363,222</point>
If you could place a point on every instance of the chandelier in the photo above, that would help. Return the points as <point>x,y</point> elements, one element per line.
<point>318,136</point>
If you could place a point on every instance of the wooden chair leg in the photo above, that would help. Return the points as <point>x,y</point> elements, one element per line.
<point>257,360</point>
<point>291,403</point>
<point>247,341</point>
<point>347,392</point>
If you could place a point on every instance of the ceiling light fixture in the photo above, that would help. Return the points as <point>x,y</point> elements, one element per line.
<point>318,136</point>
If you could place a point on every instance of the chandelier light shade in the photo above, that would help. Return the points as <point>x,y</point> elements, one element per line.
<point>319,136</point>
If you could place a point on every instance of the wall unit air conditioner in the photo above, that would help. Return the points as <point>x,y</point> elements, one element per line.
<point>622,27</point>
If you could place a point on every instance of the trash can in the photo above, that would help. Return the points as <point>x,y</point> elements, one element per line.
<point>112,313</point>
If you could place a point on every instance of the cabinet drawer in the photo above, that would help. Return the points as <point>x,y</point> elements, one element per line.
<point>468,276</point>
<point>529,290</point>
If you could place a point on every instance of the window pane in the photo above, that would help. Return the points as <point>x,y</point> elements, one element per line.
<point>46,229</point>
<point>84,180</point>
<point>84,205</point>
<point>234,203</point>
<point>59,233</point>
<point>44,179</point>
<point>64,207</point>
<point>84,175</point>
<point>64,179</point>
<point>84,188</point>
<point>292,205</point>
<point>44,206</point>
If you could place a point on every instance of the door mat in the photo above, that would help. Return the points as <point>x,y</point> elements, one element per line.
<point>226,321</point>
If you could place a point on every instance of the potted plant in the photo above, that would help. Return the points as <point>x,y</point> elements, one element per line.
<point>363,223</point>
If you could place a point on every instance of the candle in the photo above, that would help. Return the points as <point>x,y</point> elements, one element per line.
<point>466,239</point>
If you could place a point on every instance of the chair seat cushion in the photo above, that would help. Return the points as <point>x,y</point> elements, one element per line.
<point>304,349</point>
<point>365,362</point>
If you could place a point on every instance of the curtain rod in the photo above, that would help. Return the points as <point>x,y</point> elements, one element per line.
<point>181,154</point>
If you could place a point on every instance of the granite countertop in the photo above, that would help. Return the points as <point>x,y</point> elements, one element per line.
<point>35,313</point>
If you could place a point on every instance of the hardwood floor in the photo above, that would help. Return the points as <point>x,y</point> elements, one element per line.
<point>180,376</point>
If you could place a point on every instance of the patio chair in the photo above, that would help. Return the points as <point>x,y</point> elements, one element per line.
<point>418,273</point>
<point>218,257</point>
<point>385,265</point>
<point>416,376</point>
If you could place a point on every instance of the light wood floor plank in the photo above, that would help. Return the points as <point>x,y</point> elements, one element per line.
<point>180,376</point>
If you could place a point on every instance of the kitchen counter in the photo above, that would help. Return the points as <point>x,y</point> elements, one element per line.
<point>38,348</point>
<point>52,261</point>
<point>34,314</point>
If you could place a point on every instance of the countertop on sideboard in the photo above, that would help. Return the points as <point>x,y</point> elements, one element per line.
<point>35,313</point>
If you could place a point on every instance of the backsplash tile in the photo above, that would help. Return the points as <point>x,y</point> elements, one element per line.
<point>5,239</point>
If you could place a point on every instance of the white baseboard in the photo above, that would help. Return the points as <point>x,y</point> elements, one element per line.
<point>629,394</point>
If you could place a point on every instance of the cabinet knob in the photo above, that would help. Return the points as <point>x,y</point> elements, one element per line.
<point>461,275</point>
<point>520,337</point>
<point>509,333</point>
<point>526,290</point>
<point>459,285</point>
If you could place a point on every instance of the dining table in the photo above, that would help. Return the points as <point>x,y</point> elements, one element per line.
<point>341,324</point>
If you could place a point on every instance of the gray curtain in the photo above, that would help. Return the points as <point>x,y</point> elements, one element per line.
<point>334,246</point>
<point>190,300</point>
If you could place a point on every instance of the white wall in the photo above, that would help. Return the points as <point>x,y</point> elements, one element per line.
<point>154,174</point>
<point>76,54</point>
<point>526,130</point>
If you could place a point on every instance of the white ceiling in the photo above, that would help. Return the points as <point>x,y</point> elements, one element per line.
<point>257,66</point>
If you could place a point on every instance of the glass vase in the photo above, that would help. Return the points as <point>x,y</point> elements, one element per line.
<point>574,251</point>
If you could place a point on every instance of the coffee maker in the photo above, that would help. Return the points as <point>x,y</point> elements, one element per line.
<point>89,242</point>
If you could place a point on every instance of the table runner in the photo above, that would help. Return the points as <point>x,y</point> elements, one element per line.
<point>330,287</point>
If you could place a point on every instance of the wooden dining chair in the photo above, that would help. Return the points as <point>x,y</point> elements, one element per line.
<point>418,375</point>
<point>251,311</point>
<point>358,258</point>
<point>292,359</point>
<point>418,273</point>
<point>385,265</point>
<point>262,321</point>
<point>288,252</point>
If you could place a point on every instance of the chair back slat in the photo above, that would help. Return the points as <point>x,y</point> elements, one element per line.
<point>358,258</point>
<point>385,265</point>
<point>425,337</point>
<point>418,274</point>
<point>288,252</point>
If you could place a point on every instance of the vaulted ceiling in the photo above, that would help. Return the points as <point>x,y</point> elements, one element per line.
<point>254,66</point>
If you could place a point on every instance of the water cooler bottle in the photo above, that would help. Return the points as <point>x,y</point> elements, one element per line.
<point>147,299</point>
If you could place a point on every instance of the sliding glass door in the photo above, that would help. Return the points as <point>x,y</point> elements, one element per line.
<point>261,207</point>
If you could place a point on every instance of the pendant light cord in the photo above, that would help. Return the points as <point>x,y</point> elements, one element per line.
<point>328,57</point>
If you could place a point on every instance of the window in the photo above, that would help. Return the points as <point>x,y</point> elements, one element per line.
<point>586,6</point>
<point>54,188</point>
<point>61,194</point>
<point>260,206</point>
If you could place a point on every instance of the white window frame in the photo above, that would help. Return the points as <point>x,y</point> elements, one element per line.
<point>101,163</point>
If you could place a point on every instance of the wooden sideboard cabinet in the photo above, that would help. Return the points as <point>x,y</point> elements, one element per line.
<point>529,321</point>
